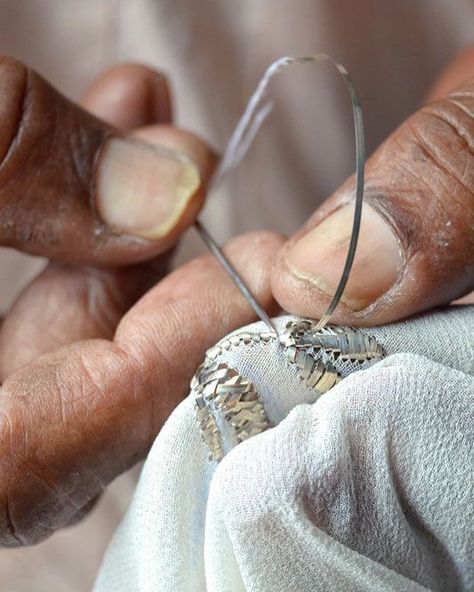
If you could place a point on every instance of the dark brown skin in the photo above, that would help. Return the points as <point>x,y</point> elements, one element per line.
<point>87,385</point>
<point>49,153</point>
<point>75,418</point>
<point>421,181</point>
<point>93,360</point>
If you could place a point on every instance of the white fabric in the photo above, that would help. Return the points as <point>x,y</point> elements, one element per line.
<point>369,487</point>
<point>214,52</point>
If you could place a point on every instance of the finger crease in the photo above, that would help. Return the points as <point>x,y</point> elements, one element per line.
<point>50,486</point>
<point>19,124</point>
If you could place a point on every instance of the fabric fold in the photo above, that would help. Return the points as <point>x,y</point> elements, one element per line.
<point>367,487</point>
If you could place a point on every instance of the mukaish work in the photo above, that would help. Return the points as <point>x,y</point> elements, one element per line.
<point>222,393</point>
<point>317,351</point>
<point>228,405</point>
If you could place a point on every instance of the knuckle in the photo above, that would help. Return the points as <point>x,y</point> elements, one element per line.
<point>17,505</point>
<point>32,506</point>
<point>48,150</point>
<point>421,180</point>
<point>8,63</point>
<point>427,194</point>
<point>445,131</point>
<point>102,299</point>
<point>260,241</point>
<point>13,100</point>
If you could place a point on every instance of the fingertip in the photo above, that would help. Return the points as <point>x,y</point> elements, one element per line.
<point>317,258</point>
<point>154,189</point>
<point>301,295</point>
<point>90,182</point>
<point>130,96</point>
<point>457,72</point>
<point>180,140</point>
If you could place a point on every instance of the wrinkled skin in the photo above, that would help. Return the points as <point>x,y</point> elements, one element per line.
<point>92,358</point>
<point>49,152</point>
<point>421,181</point>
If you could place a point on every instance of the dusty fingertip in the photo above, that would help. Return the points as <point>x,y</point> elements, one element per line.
<point>260,239</point>
<point>130,96</point>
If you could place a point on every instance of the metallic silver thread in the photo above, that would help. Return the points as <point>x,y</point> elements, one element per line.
<point>256,112</point>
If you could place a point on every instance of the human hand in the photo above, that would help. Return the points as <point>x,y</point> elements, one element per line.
<point>89,374</point>
<point>416,247</point>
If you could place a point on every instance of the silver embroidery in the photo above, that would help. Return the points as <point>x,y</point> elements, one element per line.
<point>316,352</point>
<point>220,389</point>
<point>227,401</point>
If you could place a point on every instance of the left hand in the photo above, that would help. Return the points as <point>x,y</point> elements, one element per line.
<point>91,367</point>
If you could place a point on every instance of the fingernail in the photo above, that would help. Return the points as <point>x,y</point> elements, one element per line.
<point>143,190</point>
<point>319,257</point>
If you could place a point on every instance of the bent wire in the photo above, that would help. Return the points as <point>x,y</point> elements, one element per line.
<point>257,110</point>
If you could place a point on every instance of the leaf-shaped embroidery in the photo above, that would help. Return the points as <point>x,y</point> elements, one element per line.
<point>303,343</point>
<point>350,344</point>
<point>320,376</point>
<point>219,388</point>
<point>221,393</point>
<point>209,430</point>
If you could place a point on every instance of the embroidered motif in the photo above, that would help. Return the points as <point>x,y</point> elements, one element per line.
<point>226,402</point>
<point>220,389</point>
<point>305,346</point>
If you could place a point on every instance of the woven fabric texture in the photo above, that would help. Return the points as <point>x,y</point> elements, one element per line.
<point>367,487</point>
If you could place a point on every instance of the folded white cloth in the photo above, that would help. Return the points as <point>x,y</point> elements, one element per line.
<point>367,487</point>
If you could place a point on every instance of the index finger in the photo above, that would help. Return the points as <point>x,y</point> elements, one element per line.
<point>74,419</point>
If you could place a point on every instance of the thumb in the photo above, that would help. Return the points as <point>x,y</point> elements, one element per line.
<point>416,247</point>
<point>74,188</point>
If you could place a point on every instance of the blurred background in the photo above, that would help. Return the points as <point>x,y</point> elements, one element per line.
<point>214,52</point>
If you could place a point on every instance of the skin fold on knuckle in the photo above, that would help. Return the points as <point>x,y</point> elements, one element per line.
<point>13,96</point>
<point>48,149</point>
<point>26,497</point>
<point>430,202</point>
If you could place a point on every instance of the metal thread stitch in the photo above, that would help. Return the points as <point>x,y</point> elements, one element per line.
<point>220,390</point>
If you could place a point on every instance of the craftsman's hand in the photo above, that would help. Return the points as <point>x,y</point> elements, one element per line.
<point>416,247</point>
<point>73,187</point>
<point>89,374</point>
<point>75,418</point>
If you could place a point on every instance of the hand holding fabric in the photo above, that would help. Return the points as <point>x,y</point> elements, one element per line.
<point>90,368</point>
